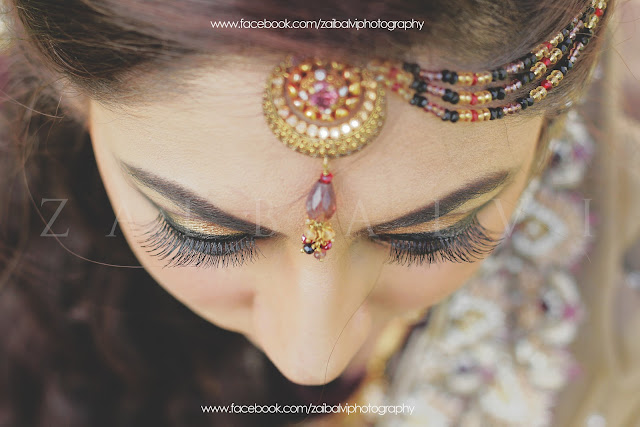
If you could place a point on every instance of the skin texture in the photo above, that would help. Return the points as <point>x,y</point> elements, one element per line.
<point>314,320</point>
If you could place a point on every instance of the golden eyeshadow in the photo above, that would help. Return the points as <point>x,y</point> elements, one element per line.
<point>431,226</point>
<point>184,221</point>
<point>201,227</point>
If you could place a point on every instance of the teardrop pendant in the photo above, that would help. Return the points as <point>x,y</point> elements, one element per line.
<point>318,235</point>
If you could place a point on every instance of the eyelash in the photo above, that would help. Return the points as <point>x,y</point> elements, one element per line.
<point>165,241</point>
<point>467,244</point>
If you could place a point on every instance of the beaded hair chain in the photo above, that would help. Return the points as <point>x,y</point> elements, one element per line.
<point>329,109</point>
<point>561,51</point>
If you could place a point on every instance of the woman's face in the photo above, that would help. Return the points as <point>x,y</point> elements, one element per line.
<point>207,154</point>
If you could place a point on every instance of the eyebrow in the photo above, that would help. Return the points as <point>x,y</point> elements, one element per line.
<point>450,202</point>
<point>208,212</point>
<point>196,204</point>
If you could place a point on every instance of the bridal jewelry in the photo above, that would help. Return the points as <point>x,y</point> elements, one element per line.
<point>329,109</point>
<point>323,109</point>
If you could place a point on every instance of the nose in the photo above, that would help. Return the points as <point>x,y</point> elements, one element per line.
<point>312,317</point>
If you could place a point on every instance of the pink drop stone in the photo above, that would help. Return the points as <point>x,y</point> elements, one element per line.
<point>321,202</point>
<point>325,95</point>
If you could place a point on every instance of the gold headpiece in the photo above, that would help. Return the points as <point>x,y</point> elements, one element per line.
<point>330,109</point>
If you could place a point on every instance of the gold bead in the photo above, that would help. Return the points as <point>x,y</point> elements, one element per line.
<point>465,79</point>
<point>593,21</point>
<point>484,78</point>
<point>601,5</point>
<point>465,115</point>
<point>556,77</point>
<point>465,98</point>
<point>555,55</point>
<point>541,51</point>
<point>538,93</point>
<point>539,69</point>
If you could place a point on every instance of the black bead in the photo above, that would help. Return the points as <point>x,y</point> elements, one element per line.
<point>501,93</point>
<point>534,58</point>
<point>415,100</point>
<point>585,39</point>
<point>494,75</point>
<point>563,48</point>
<point>565,33</point>
<point>446,76</point>
<point>455,116</point>
<point>422,87</point>
<point>530,101</point>
<point>563,68</point>
<point>532,76</point>
<point>455,98</point>
<point>494,113</point>
<point>524,79</point>
<point>494,93</point>
<point>308,249</point>
<point>569,64</point>
<point>527,62</point>
<point>411,67</point>
<point>523,103</point>
<point>502,73</point>
<point>446,116</point>
<point>447,95</point>
<point>590,10</point>
<point>422,102</point>
<point>454,77</point>
<point>500,112</point>
<point>414,84</point>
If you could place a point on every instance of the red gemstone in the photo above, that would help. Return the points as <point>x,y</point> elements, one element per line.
<point>549,46</point>
<point>474,116</point>
<point>321,202</point>
<point>393,73</point>
<point>326,178</point>
<point>395,87</point>
<point>599,12</point>
<point>474,99</point>
<point>546,84</point>
<point>475,80</point>
<point>546,61</point>
<point>327,246</point>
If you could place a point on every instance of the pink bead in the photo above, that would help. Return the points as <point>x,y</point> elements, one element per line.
<point>320,254</point>
<point>327,246</point>
<point>321,202</point>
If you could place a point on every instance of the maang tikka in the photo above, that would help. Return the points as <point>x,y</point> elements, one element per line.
<point>323,109</point>
<point>330,109</point>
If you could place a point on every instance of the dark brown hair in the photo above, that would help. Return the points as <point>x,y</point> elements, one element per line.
<point>85,343</point>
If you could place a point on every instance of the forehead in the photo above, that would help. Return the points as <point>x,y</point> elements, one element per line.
<point>212,138</point>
